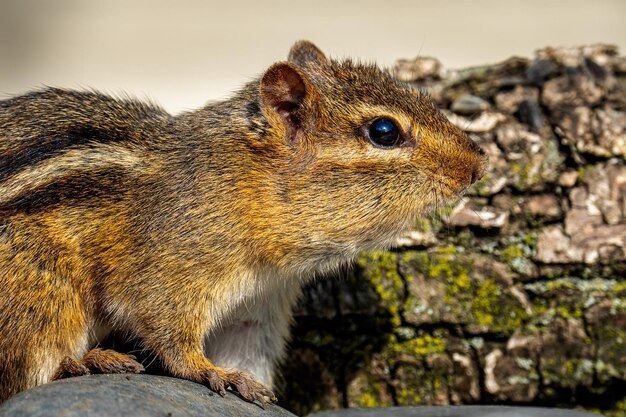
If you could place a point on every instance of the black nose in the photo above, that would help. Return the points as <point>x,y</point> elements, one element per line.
<point>480,166</point>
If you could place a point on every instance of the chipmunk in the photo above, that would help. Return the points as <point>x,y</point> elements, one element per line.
<point>194,233</point>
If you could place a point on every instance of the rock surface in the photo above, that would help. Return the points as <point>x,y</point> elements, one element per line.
<point>130,396</point>
<point>454,411</point>
<point>515,295</point>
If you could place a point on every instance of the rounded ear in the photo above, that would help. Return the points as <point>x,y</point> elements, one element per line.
<point>283,91</point>
<point>303,52</point>
<point>283,88</point>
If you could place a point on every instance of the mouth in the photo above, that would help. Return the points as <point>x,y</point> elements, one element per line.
<point>447,186</point>
<point>434,191</point>
<point>445,191</point>
<point>456,177</point>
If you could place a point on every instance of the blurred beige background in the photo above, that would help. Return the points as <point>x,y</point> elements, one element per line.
<point>183,53</point>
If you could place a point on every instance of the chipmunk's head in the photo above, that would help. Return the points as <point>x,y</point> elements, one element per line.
<point>368,154</point>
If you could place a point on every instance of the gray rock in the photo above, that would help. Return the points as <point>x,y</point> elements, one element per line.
<point>569,90</point>
<point>598,131</point>
<point>416,238</point>
<point>594,228</point>
<point>454,411</point>
<point>469,104</point>
<point>483,123</point>
<point>496,177</point>
<point>602,54</point>
<point>529,113</point>
<point>545,205</point>
<point>541,69</point>
<point>533,159</point>
<point>568,178</point>
<point>554,246</point>
<point>420,68</point>
<point>509,101</point>
<point>131,396</point>
<point>466,214</point>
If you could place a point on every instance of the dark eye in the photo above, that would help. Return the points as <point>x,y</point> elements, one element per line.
<point>384,133</point>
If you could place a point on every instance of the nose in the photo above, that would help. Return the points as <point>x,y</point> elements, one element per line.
<point>480,166</point>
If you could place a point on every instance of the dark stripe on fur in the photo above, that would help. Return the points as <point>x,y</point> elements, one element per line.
<point>39,149</point>
<point>77,188</point>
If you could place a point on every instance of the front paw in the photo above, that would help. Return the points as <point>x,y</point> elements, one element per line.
<point>70,367</point>
<point>248,387</point>
<point>107,361</point>
<point>243,383</point>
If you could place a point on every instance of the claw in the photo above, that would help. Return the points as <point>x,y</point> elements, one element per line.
<point>108,361</point>
<point>216,383</point>
<point>249,388</point>
<point>68,368</point>
<point>244,391</point>
<point>242,382</point>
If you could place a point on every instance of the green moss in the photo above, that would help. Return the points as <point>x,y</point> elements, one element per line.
<point>423,225</point>
<point>381,270</point>
<point>409,396</point>
<point>569,297</point>
<point>369,391</point>
<point>589,286</point>
<point>482,306</point>
<point>619,288</point>
<point>442,265</point>
<point>367,400</point>
<point>524,179</point>
<point>518,253</point>
<point>396,320</point>
<point>552,164</point>
<point>578,370</point>
<point>582,171</point>
<point>443,211</point>
<point>415,257</point>
<point>568,312</point>
<point>417,385</point>
<point>531,240</point>
<point>472,300</point>
<point>421,346</point>
<point>511,252</point>
<point>463,239</point>
<point>482,188</point>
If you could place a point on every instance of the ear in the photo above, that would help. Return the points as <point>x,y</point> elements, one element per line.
<point>303,52</point>
<point>283,91</point>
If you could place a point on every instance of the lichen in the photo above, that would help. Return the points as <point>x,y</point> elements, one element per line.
<point>482,188</point>
<point>582,171</point>
<point>421,346</point>
<point>381,270</point>
<point>518,252</point>
<point>368,400</point>
<point>470,298</point>
<point>523,178</point>
<point>619,288</point>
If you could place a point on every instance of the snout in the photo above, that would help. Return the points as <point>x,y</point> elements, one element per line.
<point>455,161</point>
<point>479,166</point>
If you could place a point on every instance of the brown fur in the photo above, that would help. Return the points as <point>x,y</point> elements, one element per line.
<point>116,215</point>
<point>98,361</point>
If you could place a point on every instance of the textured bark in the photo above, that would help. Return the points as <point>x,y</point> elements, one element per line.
<point>516,295</point>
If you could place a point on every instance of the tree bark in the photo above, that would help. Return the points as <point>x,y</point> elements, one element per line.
<point>516,295</point>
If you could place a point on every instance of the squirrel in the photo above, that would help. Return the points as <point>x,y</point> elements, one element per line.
<point>195,233</point>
